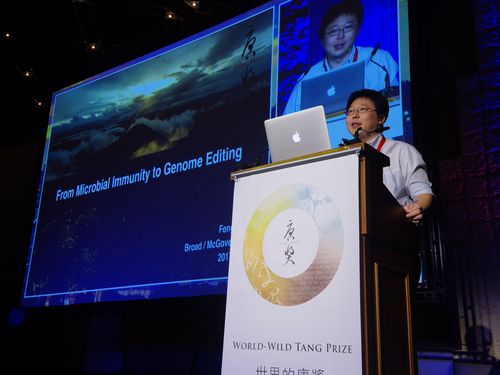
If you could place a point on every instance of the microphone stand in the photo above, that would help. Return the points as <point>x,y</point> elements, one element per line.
<point>348,142</point>
<point>388,91</point>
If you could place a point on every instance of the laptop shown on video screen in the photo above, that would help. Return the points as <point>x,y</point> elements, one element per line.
<point>332,88</point>
<point>297,134</point>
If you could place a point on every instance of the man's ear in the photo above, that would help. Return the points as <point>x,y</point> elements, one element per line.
<point>381,120</point>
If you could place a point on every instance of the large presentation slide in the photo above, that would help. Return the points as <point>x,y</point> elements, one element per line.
<point>136,191</point>
<point>135,196</point>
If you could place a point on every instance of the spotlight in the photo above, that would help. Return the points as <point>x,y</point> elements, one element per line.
<point>7,35</point>
<point>199,6</point>
<point>27,73</point>
<point>169,15</point>
<point>193,4</point>
<point>38,103</point>
<point>93,46</point>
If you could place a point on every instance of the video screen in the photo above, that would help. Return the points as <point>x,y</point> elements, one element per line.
<point>135,196</point>
<point>328,49</point>
<point>135,200</point>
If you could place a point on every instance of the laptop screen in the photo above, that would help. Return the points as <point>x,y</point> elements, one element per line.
<point>297,134</point>
<point>332,88</point>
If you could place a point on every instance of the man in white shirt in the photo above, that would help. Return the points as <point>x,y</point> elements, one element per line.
<point>406,177</point>
<point>338,32</point>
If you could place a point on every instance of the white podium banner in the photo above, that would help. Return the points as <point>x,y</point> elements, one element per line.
<point>293,300</point>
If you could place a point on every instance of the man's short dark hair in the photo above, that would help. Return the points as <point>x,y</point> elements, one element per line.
<point>380,101</point>
<point>353,7</point>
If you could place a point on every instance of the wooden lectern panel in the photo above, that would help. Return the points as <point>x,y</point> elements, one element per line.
<point>389,243</point>
<point>392,301</point>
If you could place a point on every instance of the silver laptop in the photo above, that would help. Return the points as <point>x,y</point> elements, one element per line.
<point>332,88</point>
<point>297,134</point>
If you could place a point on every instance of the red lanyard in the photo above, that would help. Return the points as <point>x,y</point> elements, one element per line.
<point>355,57</point>
<point>381,143</point>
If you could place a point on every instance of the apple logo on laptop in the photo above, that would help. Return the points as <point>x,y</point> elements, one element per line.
<point>331,91</point>
<point>296,137</point>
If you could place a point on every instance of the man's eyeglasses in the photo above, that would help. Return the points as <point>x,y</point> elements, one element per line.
<point>362,110</point>
<point>346,29</point>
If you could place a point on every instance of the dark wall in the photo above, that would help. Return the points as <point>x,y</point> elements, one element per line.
<point>442,39</point>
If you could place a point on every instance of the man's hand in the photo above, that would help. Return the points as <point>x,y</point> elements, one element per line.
<point>414,212</point>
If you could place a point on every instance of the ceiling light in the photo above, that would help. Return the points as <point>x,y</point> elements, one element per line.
<point>93,46</point>
<point>7,34</point>
<point>27,73</point>
<point>169,15</point>
<point>192,4</point>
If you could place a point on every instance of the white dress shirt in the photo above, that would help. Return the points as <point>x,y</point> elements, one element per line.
<point>406,177</point>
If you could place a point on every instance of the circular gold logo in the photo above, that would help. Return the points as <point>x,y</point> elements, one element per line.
<point>293,244</point>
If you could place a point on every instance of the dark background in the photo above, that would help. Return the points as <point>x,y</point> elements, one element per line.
<point>453,51</point>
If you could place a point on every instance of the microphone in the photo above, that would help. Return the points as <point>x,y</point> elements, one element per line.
<point>375,49</point>
<point>387,78</point>
<point>356,134</point>
<point>379,129</point>
<point>347,142</point>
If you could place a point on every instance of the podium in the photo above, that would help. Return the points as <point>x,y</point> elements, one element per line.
<point>320,269</point>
